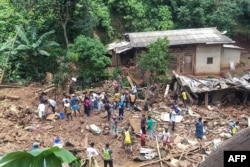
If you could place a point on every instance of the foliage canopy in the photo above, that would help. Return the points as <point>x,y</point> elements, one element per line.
<point>155,60</point>
<point>89,57</point>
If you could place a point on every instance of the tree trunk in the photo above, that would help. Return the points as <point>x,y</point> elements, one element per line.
<point>64,25</point>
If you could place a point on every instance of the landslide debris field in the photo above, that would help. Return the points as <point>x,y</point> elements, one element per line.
<point>20,127</point>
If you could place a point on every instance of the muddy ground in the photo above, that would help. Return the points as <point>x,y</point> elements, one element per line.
<point>20,127</point>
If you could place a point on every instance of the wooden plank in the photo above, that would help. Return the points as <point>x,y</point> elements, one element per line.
<point>158,150</point>
<point>86,140</point>
<point>166,90</point>
<point>206,100</point>
<point>130,81</point>
<point>178,80</point>
<point>10,86</point>
<point>46,88</point>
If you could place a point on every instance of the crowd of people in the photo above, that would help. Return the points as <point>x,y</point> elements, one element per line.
<point>115,108</point>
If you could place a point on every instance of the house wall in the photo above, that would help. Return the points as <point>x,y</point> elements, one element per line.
<point>203,52</point>
<point>182,58</point>
<point>230,54</point>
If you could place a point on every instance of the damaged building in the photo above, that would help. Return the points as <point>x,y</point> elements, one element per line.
<point>216,91</point>
<point>195,51</point>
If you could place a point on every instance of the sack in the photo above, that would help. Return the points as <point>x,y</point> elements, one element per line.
<point>132,98</point>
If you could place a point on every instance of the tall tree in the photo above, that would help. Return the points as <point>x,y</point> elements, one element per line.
<point>32,52</point>
<point>155,60</point>
<point>8,18</point>
<point>89,57</point>
<point>141,15</point>
<point>75,17</point>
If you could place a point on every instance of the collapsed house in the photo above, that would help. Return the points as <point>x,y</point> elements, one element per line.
<point>239,142</point>
<point>197,51</point>
<point>214,90</point>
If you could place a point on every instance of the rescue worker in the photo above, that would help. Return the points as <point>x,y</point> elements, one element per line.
<point>233,127</point>
<point>107,156</point>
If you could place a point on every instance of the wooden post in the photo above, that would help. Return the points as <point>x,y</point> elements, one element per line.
<point>158,150</point>
<point>166,90</point>
<point>178,80</point>
<point>206,99</point>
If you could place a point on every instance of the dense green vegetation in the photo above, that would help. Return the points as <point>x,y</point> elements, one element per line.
<point>39,36</point>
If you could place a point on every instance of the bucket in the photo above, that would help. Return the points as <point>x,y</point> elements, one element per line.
<point>61,115</point>
<point>231,65</point>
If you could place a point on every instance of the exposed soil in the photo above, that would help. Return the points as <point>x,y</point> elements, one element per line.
<point>20,126</point>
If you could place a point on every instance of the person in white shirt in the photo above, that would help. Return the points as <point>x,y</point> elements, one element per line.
<point>172,116</point>
<point>91,151</point>
<point>41,111</point>
<point>166,138</point>
<point>134,90</point>
<point>52,104</point>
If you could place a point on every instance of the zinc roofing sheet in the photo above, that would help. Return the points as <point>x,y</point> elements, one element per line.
<point>179,37</point>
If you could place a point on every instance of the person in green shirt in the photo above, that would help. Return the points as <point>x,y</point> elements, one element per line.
<point>150,124</point>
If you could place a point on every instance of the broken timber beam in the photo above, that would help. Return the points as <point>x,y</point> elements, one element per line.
<point>130,81</point>
<point>86,140</point>
<point>178,80</point>
<point>47,89</point>
<point>10,86</point>
<point>150,163</point>
<point>168,164</point>
<point>206,100</point>
<point>158,150</point>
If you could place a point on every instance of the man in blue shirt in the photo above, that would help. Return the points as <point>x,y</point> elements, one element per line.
<point>74,102</point>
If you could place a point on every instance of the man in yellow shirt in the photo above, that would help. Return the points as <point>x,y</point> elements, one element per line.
<point>117,97</point>
<point>127,141</point>
<point>184,97</point>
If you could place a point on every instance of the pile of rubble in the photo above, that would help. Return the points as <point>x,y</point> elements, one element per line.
<point>20,127</point>
<point>185,149</point>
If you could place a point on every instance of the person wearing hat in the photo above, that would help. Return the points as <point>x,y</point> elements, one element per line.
<point>107,156</point>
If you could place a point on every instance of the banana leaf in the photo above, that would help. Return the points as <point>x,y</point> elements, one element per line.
<point>46,157</point>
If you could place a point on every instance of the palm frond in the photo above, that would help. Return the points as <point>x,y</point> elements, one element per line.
<point>22,47</point>
<point>50,43</point>
<point>43,52</point>
<point>33,33</point>
<point>42,37</point>
<point>23,36</point>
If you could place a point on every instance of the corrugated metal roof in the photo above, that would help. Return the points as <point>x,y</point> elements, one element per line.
<point>232,47</point>
<point>119,47</point>
<point>179,37</point>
